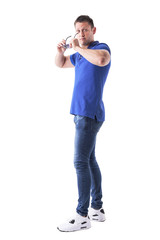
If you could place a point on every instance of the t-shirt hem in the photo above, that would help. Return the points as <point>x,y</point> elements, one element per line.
<point>89,115</point>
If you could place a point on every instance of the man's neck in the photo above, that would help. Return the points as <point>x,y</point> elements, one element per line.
<point>86,46</point>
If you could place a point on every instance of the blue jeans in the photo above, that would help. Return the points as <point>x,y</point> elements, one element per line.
<point>87,169</point>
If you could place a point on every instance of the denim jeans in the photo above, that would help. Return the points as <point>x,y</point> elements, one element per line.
<point>87,169</point>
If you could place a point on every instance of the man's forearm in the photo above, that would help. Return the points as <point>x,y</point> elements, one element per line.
<point>60,60</point>
<point>97,57</point>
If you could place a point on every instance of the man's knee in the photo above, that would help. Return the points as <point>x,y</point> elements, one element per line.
<point>81,161</point>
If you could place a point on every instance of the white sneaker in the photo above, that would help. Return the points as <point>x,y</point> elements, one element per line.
<point>97,215</point>
<point>75,224</point>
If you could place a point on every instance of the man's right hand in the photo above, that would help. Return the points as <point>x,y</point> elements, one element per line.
<point>61,60</point>
<point>60,47</point>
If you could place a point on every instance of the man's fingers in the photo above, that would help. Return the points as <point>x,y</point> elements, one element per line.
<point>63,42</point>
<point>70,45</point>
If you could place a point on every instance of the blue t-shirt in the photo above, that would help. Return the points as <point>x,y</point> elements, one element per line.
<point>88,86</point>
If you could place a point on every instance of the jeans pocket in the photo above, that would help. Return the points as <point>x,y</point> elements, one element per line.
<point>74,119</point>
<point>78,118</point>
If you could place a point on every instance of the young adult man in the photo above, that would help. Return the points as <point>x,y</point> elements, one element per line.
<point>92,63</point>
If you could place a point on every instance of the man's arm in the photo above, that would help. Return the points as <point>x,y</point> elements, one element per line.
<point>99,57</point>
<point>61,60</point>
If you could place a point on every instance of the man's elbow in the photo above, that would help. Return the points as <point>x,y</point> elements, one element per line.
<point>60,62</point>
<point>103,61</point>
<point>58,65</point>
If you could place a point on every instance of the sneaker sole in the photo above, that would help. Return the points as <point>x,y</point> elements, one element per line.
<point>97,220</point>
<point>82,228</point>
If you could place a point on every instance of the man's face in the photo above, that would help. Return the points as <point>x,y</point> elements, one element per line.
<point>85,33</point>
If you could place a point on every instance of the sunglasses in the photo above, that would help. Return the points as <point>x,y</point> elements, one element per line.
<point>67,44</point>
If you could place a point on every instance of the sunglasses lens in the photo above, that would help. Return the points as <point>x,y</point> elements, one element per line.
<point>66,46</point>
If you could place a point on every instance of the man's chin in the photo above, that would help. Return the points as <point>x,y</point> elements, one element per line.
<point>84,43</point>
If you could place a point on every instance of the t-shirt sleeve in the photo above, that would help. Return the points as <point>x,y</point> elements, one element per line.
<point>73,59</point>
<point>103,46</point>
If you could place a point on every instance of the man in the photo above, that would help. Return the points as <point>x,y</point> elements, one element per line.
<point>92,63</point>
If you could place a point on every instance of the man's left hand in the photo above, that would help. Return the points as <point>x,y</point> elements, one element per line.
<point>74,43</point>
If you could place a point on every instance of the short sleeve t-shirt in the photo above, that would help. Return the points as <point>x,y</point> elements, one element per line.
<point>88,86</point>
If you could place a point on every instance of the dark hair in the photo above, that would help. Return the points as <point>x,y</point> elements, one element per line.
<point>84,18</point>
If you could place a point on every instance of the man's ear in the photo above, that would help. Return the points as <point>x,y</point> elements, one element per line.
<point>94,30</point>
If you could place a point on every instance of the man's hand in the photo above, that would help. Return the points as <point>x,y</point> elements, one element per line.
<point>74,43</point>
<point>60,47</point>
<point>61,60</point>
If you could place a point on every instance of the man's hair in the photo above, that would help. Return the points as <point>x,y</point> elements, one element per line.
<point>84,18</point>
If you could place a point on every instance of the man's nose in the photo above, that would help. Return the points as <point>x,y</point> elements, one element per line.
<point>81,33</point>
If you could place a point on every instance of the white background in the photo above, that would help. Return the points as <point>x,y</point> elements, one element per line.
<point>37,178</point>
